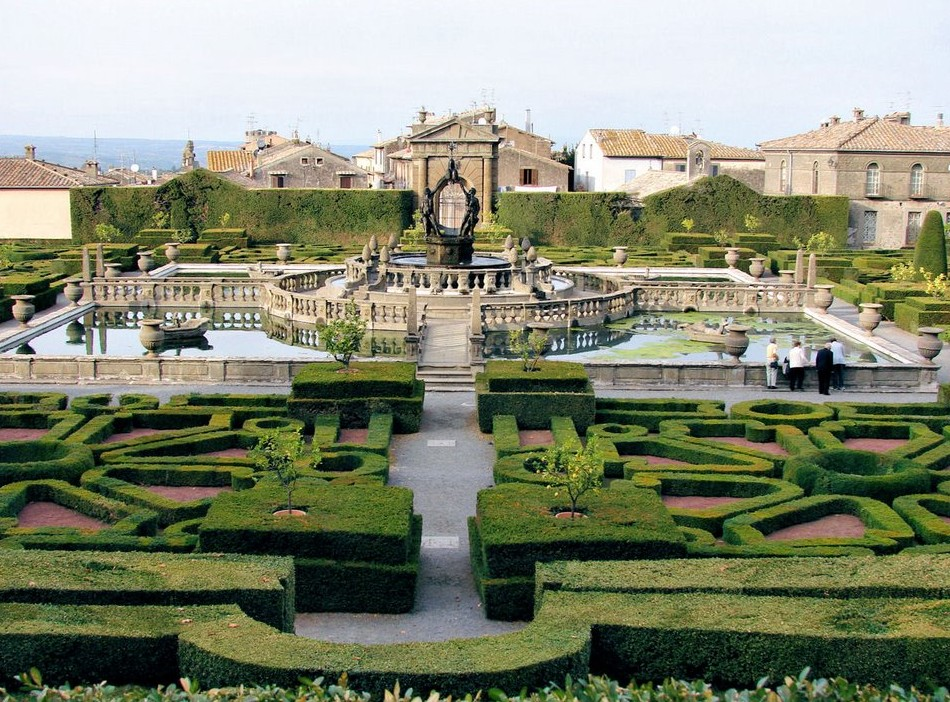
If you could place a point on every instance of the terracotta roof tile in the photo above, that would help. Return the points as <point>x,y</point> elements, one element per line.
<point>869,134</point>
<point>638,143</point>
<point>20,172</point>
<point>235,160</point>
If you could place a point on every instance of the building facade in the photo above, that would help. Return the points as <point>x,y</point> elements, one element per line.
<point>893,172</point>
<point>607,159</point>
<point>267,160</point>
<point>34,196</point>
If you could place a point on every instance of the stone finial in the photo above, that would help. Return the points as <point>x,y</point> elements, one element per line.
<point>525,244</point>
<point>373,244</point>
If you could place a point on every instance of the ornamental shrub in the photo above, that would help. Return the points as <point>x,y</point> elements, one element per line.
<point>930,252</point>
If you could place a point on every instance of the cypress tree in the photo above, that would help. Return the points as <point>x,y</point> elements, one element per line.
<point>930,252</point>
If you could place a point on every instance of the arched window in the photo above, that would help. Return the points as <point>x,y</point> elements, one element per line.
<point>814,178</point>
<point>783,177</point>
<point>916,180</point>
<point>872,181</point>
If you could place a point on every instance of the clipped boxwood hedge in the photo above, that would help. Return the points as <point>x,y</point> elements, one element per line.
<point>848,472</point>
<point>929,515</point>
<point>91,643</point>
<point>885,531</point>
<point>263,586</point>
<point>802,415</point>
<point>533,398</point>
<point>753,493</point>
<point>507,438</point>
<point>650,412</point>
<point>39,460</point>
<point>935,415</point>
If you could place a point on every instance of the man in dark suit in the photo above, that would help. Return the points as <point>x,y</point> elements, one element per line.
<point>824,364</point>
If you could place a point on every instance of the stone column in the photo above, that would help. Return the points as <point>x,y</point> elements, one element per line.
<point>100,261</point>
<point>812,270</point>
<point>800,267</point>
<point>412,315</point>
<point>86,265</point>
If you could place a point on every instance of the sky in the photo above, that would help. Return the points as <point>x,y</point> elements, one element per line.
<point>734,71</point>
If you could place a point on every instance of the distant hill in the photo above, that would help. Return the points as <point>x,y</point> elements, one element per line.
<point>111,152</point>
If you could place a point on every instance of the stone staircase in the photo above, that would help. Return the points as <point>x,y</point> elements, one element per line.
<point>444,364</point>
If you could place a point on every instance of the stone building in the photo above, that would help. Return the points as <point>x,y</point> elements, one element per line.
<point>610,159</point>
<point>267,160</point>
<point>491,156</point>
<point>892,171</point>
<point>34,196</point>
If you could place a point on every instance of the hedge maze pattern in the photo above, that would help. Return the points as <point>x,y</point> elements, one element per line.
<point>685,564</point>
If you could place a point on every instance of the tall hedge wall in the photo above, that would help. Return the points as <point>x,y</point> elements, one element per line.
<point>719,202</point>
<point>197,201</point>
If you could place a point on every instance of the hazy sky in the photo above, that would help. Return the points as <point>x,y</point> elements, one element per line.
<point>734,71</point>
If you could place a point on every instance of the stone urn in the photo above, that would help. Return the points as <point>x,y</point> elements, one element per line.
<point>786,276</point>
<point>732,256</point>
<point>113,270</point>
<point>620,255</point>
<point>283,252</point>
<point>823,297</point>
<point>929,343</point>
<point>736,340</point>
<point>172,252</point>
<point>870,316</point>
<point>146,261</point>
<point>73,292</point>
<point>757,266</point>
<point>23,308</point>
<point>151,335</point>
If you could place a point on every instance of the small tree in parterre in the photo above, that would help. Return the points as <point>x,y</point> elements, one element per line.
<point>573,469</point>
<point>530,347</point>
<point>343,336</point>
<point>930,252</point>
<point>278,452</point>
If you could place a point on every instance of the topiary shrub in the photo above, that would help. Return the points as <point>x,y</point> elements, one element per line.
<point>930,251</point>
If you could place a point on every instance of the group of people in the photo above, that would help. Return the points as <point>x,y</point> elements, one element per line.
<point>829,364</point>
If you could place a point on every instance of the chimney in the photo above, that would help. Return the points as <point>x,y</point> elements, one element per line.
<point>834,119</point>
<point>91,168</point>
<point>940,119</point>
<point>30,152</point>
<point>528,127</point>
<point>858,114</point>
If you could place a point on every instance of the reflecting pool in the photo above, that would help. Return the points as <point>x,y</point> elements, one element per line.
<point>659,338</point>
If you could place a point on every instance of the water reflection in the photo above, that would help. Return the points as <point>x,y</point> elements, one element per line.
<point>658,338</point>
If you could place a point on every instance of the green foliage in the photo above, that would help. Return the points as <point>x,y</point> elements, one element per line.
<point>573,469</point>
<point>902,272</point>
<point>529,346</point>
<point>592,219</point>
<point>196,199</point>
<point>342,336</point>
<point>688,224</point>
<point>109,234</point>
<point>751,222</point>
<point>278,452</point>
<point>930,251</point>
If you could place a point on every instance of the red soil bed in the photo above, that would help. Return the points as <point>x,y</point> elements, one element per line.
<point>11,434</point>
<point>134,434</point>
<point>50,514</point>
<point>764,446</point>
<point>695,501</point>
<point>353,436</point>
<point>229,453</point>
<point>832,526</point>
<point>946,519</point>
<point>186,493</point>
<point>535,437</point>
<point>879,445</point>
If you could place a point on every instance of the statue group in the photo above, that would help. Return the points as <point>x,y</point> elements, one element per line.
<point>466,232</point>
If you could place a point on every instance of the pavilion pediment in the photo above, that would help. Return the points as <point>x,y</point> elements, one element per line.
<point>456,130</point>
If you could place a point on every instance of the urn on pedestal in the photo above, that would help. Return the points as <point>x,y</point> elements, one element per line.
<point>929,343</point>
<point>151,335</point>
<point>146,261</point>
<point>870,316</point>
<point>23,308</point>
<point>823,297</point>
<point>736,340</point>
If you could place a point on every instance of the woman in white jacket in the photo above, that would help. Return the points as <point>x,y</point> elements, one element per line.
<point>796,367</point>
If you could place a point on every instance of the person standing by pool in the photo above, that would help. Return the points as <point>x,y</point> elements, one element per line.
<point>796,367</point>
<point>771,364</point>
<point>824,365</point>
<point>837,373</point>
